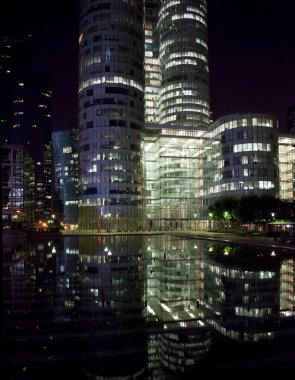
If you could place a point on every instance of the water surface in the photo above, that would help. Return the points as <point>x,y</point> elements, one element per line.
<point>146,307</point>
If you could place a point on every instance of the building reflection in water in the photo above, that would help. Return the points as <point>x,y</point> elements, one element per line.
<point>241,297</point>
<point>173,291</point>
<point>145,307</point>
<point>112,305</point>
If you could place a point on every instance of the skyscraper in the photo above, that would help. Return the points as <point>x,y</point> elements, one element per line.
<point>111,115</point>
<point>26,96</point>
<point>66,174</point>
<point>177,86</point>
<point>152,67</point>
<point>138,61</point>
<point>17,180</point>
<point>184,94</point>
<point>26,99</point>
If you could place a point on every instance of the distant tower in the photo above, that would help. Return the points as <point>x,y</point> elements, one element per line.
<point>66,173</point>
<point>111,113</point>
<point>184,94</point>
<point>17,182</point>
<point>26,101</point>
<point>152,66</point>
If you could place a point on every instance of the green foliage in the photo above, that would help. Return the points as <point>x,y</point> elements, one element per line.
<point>225,208</point>
<point>251,208</point>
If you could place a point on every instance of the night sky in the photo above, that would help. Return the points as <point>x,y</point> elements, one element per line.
<point>251,53</point>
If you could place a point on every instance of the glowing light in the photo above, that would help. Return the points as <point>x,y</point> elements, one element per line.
<point>165,307</point>
<point>150,310</point>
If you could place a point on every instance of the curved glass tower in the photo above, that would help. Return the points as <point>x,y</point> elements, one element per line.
<point>184,94</point>
<point>111,115</point>
<point>241,157</point>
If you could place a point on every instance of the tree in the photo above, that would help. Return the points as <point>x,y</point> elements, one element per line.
<point>225,208</point>
<point>251,209</point>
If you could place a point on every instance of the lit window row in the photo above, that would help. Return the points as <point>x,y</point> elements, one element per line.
<point>150,103</point>
<point>189,16</point>
<point>110,79</point>
<point>169,4</point>
<point>243,123</point>
<point>246,185</point>
<point>153,61</point>
<point>184,92</point>
<point>148,53</point>
<point>174,41</point>
<point>187,109</point>
<point>196,10</point>
<point>185,61</point>
<point>175,89</point>
<point>184,54</point>
<point>252,147</point>
<point>150,89</point>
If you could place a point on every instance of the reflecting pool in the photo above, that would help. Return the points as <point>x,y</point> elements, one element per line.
<point>147,307</point>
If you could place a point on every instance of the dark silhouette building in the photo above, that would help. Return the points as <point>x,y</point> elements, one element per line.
<point>26,98</point>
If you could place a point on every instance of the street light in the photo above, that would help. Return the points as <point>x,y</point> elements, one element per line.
<point>108,216</point>
<point>210,219</point>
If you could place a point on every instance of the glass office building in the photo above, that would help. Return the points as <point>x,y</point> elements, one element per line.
<point>287,166</point>
<point>184,94</point>
<point>26,104</point>
<point>148,155</point>
<point>173,177</point>
<point>241,157</point>
<point>139,61</point>
<point>18,181</point>
<point>111,114</point>
<point>66,174</point>
<point>176,63</point>
<point>175,131</point>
